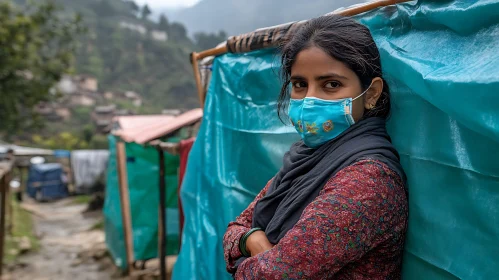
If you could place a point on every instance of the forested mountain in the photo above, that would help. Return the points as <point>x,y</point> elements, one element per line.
<point>127,51</point>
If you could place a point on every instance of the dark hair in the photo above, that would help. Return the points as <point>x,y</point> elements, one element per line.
<point>345,40</point>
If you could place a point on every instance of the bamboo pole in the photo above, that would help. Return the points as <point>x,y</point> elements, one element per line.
<point>125,204</point>
<point>223,49</point>
<point>346,12</point>
<point>213,52</point>
<point>368,7</point>
<point>197,77</point>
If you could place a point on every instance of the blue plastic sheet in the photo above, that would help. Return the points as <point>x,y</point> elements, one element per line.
<point>238,149</point>
<point>440,59</point>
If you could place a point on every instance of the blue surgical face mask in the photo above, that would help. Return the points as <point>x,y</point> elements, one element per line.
<point>319,120</point>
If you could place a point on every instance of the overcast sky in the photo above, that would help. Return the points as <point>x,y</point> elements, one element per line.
<point>167,3</point>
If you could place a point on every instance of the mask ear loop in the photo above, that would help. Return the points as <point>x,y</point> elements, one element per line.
<point>364,92</point>
<point>348,108</point>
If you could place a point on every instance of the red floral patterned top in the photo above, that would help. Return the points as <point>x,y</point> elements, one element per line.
<point>354,229</point>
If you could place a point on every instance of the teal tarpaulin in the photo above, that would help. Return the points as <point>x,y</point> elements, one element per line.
<point>441,61</point>
<point>143,179</point>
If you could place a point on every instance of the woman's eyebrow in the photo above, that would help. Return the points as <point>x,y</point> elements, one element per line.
<point>320,78</point>
<point>297,77</point>
<point>331,75</point>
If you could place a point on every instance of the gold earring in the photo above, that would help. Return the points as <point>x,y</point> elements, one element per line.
<point>371,106</point>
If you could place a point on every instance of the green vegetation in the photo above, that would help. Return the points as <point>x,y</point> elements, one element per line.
<point>98,226</point>
<point>121,46</point>
<point>63,140</point>
<point>120,50</point>
<point>81,199</point>
<point>22,226</point>
<point>36,48</point>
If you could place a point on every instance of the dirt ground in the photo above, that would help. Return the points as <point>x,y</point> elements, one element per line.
<point>70,246</point>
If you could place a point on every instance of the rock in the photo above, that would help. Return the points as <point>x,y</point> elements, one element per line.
<point>97,252</point>
<point>76,262</point>
<point>18,266</point>
<point>100,254</point>
<point>146,274</point>
<point>24,245</point>
<point>105,264</point>
<point>7,277</point>
<point>84,255</point>
<point>13,252</point>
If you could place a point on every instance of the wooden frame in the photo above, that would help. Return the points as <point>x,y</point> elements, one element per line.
<point>125,204</point>
<point>171,148</point>
<point>126,216</point>
<point>195,57</point>
<point>161,147</point>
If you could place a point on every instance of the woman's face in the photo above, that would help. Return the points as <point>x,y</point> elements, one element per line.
<point>316,74</point>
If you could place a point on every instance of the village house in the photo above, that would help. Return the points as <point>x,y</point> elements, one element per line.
<point>159,35</point>
<point>103,116</point>
<point>52,111</point>
<point>82,99</point>
<point>87,83</point>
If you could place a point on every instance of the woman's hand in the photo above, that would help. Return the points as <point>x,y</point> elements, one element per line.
<point>258,243</point>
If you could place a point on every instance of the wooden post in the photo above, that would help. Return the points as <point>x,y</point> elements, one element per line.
<point>162,215</point>
<point>19,194</point>
<point>3,201</point>
<point>197,77</point>
<point>8,206</point>
<point>125,204</point>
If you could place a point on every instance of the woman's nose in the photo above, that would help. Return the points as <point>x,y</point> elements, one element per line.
<point>312,91</point>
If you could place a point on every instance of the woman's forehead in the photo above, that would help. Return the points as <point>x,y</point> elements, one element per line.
<point>314,62</point>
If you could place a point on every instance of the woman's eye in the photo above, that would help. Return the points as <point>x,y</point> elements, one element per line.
<point>299,84</point>
<point>333,84</point>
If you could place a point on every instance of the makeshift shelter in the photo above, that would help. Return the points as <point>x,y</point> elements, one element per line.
<point>132,193</point>
<point>47,181</point>
<point>440,60</point>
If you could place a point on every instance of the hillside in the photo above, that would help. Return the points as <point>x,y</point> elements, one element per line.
<point>241,16</point>
<point>126,51</point>
<point>126,63</point>
<point>124,57</point>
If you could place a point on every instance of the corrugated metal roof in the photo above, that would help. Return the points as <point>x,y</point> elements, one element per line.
<point>142,130</point>
<point>130,122</point>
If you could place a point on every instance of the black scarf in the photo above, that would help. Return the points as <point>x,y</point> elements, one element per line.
<point>305,171</point>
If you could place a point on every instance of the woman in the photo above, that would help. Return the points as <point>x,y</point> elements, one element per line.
<point>337,209</point>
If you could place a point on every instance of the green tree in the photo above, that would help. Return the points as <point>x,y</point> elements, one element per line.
<point>163,23</point>
<point>177,32</point>
<point>135,8</point>
<point>99,142</point>
<point>105,8</point>
<point>36,48</point>
<point>88,132</point>
<point>63,140</point>
<point>206,41</point>
<point>146,11</point>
